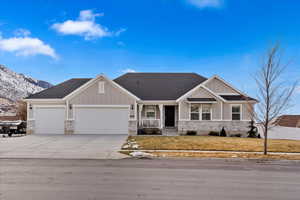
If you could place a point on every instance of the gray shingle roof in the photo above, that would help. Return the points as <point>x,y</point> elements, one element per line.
<point>61,90</point>
<point>159,86</point>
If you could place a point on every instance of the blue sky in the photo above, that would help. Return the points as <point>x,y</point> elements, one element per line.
<point>56,41</point>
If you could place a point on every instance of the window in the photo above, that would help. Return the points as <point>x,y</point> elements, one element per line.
<point>150,112</point>
<point>194,112</point>
<point>236,112</point>
<point>206,112</point>
<point>101,87</point>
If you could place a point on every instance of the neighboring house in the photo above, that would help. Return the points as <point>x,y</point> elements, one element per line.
<point>288,121</point>
<point>163,101</point>
<point>284,127</point>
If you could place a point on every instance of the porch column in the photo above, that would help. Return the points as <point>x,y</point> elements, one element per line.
<point>161,115</point>
<point>140,113</point>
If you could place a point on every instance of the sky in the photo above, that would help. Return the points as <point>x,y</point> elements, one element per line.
<point>54,41</point>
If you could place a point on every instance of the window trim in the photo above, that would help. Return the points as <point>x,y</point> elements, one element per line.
<point>210,112</point>
<point>241,111</point>
<point>199,116</point>
<point>101,87</point>
<point>199,112</point>
<point>147,110</point>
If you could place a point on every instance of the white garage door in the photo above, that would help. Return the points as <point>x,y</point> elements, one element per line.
<point>101,120</point>
<point>49,120</point>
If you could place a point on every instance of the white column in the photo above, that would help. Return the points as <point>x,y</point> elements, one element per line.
<point>140,113</point>
<point>161,115</point>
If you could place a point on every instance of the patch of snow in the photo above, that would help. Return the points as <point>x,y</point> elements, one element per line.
<point>16,86</point>
<point>140,154</point>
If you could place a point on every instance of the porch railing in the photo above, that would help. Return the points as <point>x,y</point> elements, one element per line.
<point>150,123</point>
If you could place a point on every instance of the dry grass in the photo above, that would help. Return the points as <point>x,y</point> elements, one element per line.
<point>227,155</point>
<point>211,143</point>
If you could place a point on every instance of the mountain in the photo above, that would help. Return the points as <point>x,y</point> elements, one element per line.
<point>15,86</point>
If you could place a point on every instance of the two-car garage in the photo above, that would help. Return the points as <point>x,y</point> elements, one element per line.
<point>86,119</point>
<point>101,119</point>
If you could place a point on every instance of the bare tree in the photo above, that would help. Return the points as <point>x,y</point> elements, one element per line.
<point>22,110</point>
<point>274,95</point>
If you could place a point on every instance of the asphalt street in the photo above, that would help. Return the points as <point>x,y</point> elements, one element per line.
<point>129,179</point>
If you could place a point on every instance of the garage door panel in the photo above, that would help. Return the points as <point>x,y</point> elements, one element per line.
<point>101,120</point>
<point>49,120</point>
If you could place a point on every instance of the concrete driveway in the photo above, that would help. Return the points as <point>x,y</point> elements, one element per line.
<point>63,146</point>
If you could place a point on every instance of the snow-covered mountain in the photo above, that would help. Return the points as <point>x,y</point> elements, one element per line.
<point>16,86</point>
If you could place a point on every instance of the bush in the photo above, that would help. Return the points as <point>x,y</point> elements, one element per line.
<point>191,133</point>
<point>223,133</point>
<point>252,133</point>
<point>213,133</point>
<point>236,135</point>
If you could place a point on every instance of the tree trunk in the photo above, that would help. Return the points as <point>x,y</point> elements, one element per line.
<point>266,141</point>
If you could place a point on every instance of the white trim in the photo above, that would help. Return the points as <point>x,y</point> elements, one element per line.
<point>196,88</point>
<point>100,106</point>
<point>90,82</point>
<point>222,107</point>
<point>214,120</point>
<point>241,111</point>
<point>229,85</point>
<point>101,87</point>
<point>234,94</point>
<point>216,94</point>
<point>49,106</point>
<point>213,93</point>
<point>202,102</point>
<point>146,110</point>
<point>43,100</point>
<point>120,87</point>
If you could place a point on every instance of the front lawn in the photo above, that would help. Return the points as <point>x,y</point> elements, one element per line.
<point>210,143</point>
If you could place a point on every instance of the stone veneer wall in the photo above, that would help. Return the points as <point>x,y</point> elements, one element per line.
<point>132,128</point>
<point>204,127</point>
<point>30,127</point>
<point>69,127</point>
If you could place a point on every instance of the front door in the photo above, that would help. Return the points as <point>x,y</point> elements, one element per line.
<point>169,116</point>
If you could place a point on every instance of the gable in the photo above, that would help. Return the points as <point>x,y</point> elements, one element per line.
<point>201,93</point>
<point>112,95</point>
<point>218,86</point>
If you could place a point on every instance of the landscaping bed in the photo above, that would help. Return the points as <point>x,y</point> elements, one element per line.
<point>209,143</point>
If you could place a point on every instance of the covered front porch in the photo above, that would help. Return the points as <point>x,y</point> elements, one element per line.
<point>158,117</point>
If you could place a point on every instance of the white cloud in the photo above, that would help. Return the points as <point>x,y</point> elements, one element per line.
<point>26,46</point>
<point>118,33</point>
<point>128,70</point>
<point>206,3</point>
<point>84,26</point>
<point>22,32</point>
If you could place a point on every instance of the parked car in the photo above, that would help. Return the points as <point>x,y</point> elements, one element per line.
<point>12,127</point>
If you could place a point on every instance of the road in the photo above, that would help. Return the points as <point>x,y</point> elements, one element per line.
<point>129,179</point>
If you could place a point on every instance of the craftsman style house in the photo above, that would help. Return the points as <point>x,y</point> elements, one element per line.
<point>159,102</point>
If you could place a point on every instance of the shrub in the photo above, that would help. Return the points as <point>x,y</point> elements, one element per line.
<point>252,133</point>
<point>191,133</point>
<point>223,133</point>
<point>213,133</point>
<point>236,135</point>
<point>141,132</point>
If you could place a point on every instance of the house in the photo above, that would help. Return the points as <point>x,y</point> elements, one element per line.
<point>180,102</point>
<point>288,121</point>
